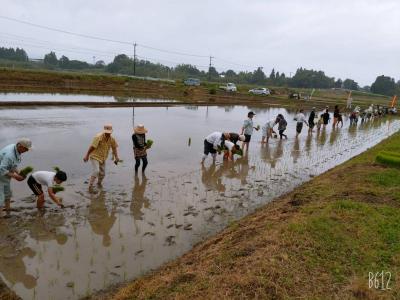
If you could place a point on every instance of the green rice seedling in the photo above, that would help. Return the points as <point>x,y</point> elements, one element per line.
<point>390,153</point>
<point>25,171</point>
<point>389,160</point>
<point>57,169</point>
<point>149,143</point>
<point>57,189</point>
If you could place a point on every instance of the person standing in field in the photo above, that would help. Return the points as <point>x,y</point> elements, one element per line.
<point>247,129</point>
<point>311,122</point>
<point>326,117</point>
<point>98,153</point>
<point>282,124</point>
<point>140,147</point>
<point>336,115</point>
<point>46,178</point>
<point>10,158</point>
<point>300,118</point>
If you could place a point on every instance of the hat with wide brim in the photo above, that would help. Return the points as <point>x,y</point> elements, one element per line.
<point>139,129</point>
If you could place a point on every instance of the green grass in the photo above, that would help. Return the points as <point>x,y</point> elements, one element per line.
<point>389,160</point>
<point>331,231</point>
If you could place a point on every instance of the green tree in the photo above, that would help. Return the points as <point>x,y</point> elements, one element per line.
<point>258,76</point>
<point>63,62</point>
<point>384,85</point>
<point>350,84</point>
<point>50,59</point>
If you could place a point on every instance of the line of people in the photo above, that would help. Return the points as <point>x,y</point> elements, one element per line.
<point>218,142</point>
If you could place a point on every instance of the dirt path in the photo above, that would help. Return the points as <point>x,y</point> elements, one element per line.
<point>320,241</point>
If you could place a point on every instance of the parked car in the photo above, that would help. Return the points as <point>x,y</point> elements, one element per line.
<point>229,87</point>
<point>192,81</point>
<point>260,91</point>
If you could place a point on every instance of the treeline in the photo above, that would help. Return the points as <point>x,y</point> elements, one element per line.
<point>123,64</point>
<point>13,54</point>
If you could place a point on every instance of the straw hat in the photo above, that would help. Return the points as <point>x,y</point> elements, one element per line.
<point>139,129</point>
<point>108,128</point>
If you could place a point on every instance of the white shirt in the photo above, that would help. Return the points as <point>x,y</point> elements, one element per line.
<point>229,145</point>
<point>270,124</point>
<point>300,118</point>
<point>248,126</point>
<point>215,139</point>
<point>44,178</point>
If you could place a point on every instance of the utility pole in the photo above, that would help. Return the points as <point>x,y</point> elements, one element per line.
<point>209,68</point>
<point>134,58</point>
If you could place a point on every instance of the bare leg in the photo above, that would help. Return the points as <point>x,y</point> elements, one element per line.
<point>40,201</point>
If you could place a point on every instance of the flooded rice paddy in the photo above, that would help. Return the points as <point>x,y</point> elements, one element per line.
<point>135,224</point>
<point>57,97</point>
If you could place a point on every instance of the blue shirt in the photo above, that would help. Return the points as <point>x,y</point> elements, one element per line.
<point>9,159</point>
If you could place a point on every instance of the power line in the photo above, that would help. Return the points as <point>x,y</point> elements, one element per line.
<point>100,38</point>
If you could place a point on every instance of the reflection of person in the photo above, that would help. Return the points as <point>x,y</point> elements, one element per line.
<point>40,229</point>
<point>138,199</point>
<point>296,150</point>
<point>13,268</point>
<point>140,147</point>
<point>333,137</point>
<point>99,218</point>
<point>211,178</point>
<point>244,168</point>
<point>39,178</point>
<point>98,153</point>
<point>10,158</point>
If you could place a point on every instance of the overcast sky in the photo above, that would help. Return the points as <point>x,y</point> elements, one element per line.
<point>346,39</point>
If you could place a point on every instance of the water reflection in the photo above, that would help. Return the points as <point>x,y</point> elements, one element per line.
<point>139,200</point>
<point>13,267</point>
<point>101,221</point>
<point>113,236</point>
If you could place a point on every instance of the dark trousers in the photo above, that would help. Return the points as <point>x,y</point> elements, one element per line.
<point>281,133</point>
<point>137,164</point>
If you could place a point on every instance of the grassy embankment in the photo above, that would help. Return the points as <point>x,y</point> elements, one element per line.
<point>318,242</point>
<point>44,81</point>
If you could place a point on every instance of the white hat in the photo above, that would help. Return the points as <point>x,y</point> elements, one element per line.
<point>108,128</point>
<point>139,129</point>
<point>25,142</point>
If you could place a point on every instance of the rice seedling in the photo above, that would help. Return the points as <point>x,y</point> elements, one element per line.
<point>25,171</point>
<point>149,143</point>
<point>57,189</point>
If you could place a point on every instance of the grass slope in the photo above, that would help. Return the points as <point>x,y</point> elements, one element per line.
<point>318,242</point>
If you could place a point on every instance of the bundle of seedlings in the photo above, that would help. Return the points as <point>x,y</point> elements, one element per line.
<point>57,189</point>
<point>25,171</point>
<point>149,143</point>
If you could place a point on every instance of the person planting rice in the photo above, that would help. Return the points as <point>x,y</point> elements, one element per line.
<point>10,158</point>
<point>231,149</point>
<point>233,137</point>
<point>98,153</point>
<point>211,144</point>
<point>48,179</point>
<point>268,130</point>
<point>336,115</point>
<point>282,124</point>
<point>300,118</point>
<point>140,147</point>
<point>247,129</point>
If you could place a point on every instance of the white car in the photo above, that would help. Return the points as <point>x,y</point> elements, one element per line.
<point>260,91</point>
<point>229,87</point>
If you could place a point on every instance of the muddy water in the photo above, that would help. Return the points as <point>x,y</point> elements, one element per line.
<point>134,224</point>
<point>40,97</point>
